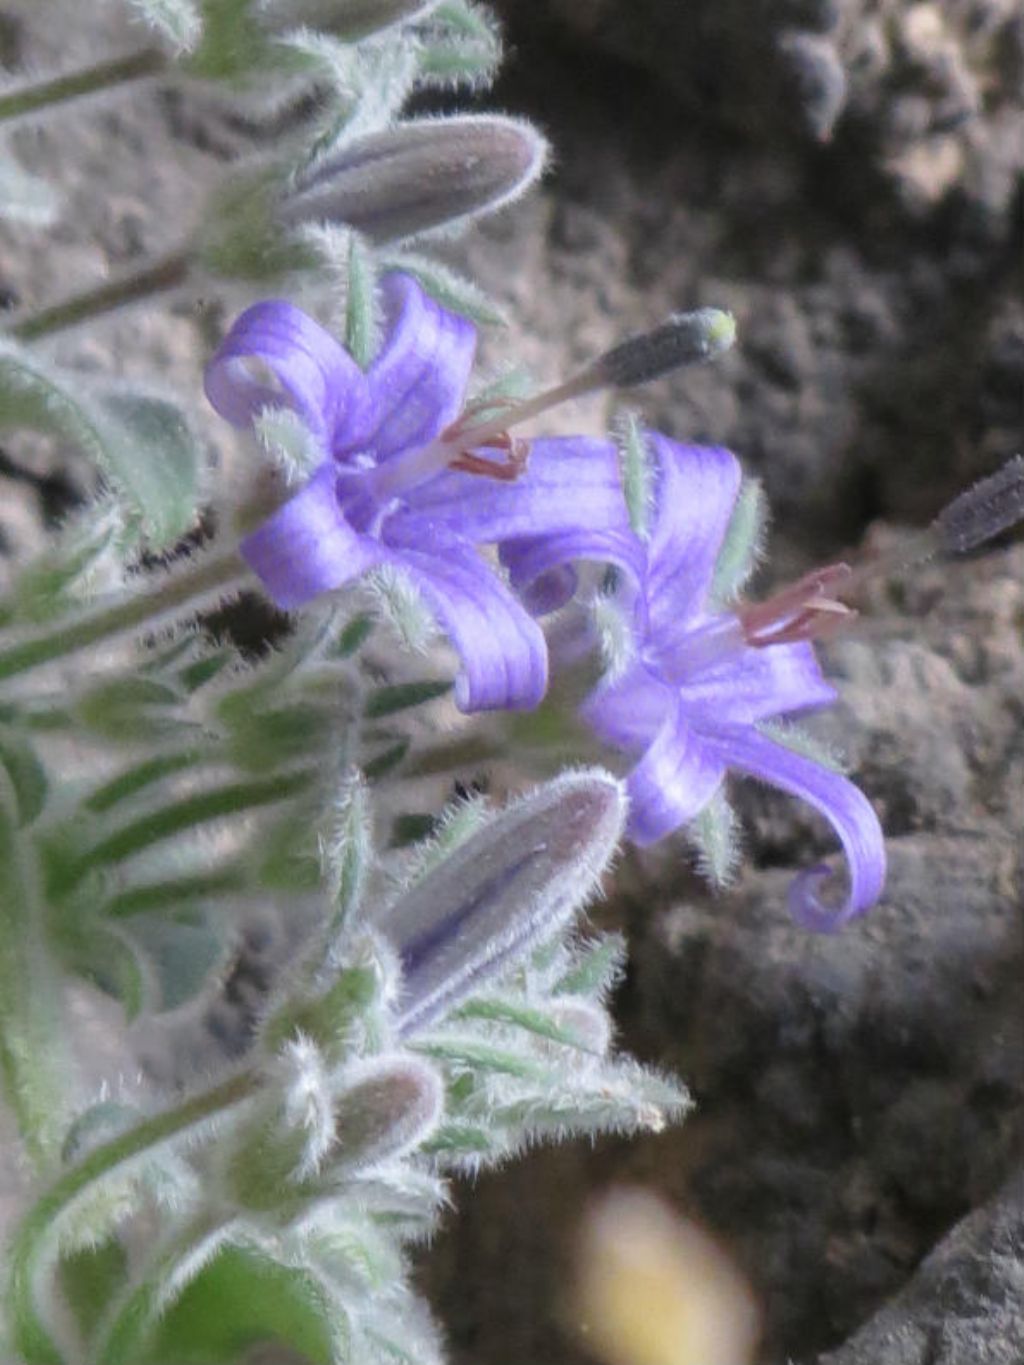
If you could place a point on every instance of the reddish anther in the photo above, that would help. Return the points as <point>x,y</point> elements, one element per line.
<point>507,470</point>
<point>804,610</point>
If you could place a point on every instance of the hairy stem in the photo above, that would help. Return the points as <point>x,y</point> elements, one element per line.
<point>36,1234</point>
<point>190,587</point>
<point>167,273</point>
<point>29,99</point>
<point>33,1066</point>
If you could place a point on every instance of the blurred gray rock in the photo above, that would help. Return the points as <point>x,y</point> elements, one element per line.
<point>857,1094</point>
<point>929,94</point>
<point>965,1305</point>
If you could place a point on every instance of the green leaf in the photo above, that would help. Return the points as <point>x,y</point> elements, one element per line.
<point>386,701</point>
<point>89,1278</point>
<point>183,955</point>
<point>142,444</point>
<point>127,710</point>
<point>243,1299</point>
<point>353,636</point>
<point>25,773</point>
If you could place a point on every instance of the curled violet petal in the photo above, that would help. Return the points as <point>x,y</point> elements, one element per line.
<point>502,649</point>
<point>842,803</point>
<point>673,782</point>
<point>540,567</point>
<point>314,375</point>
<point>307,546</point>
<point>418,381</point>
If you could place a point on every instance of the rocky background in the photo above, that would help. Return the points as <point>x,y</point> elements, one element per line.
<point>848,177</point>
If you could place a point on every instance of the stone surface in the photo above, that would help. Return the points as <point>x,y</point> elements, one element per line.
<point>965,1305</point>
<point>856,1094</point>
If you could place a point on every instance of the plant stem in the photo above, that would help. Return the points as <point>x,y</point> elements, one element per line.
<point>72,85</point>
<point>166,273</point>
<point>189,586</point>
<point>32,1056</point>
<point>37,1229</point>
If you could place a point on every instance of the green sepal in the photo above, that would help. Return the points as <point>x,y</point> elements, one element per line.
<point>362,313</point>
<point>637,473</point>
<point>329,1019</point>
<point>142,444</point>
<point>452,290</point>
<point>597,965</point>
<point>528,1018</point>
<point>793,736</point>
<point>716,833</point>
<point>743,546</point>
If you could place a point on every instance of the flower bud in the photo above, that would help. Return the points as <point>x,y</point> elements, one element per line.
<point>418,176</point>
<point>502,891</point>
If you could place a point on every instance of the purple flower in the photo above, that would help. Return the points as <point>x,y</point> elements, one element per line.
<point>692,701</point>
<point>398,486</point>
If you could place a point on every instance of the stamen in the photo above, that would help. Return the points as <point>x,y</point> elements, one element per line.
<point>804,610</point>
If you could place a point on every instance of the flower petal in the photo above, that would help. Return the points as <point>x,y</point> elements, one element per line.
<point>540,566</point>
<point>756,684</point>
<point>419,377</point>
<point>503,653</point>
<point>673,782</point>
<point>841,803</point>
<point>314,375</point>
<point>696,491</point>
<point>569,482</point>
<point>629,712</point>
<point>307,547</point>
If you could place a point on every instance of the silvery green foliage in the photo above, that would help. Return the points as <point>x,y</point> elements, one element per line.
<point>155,785</point>
<point>445,1016</point>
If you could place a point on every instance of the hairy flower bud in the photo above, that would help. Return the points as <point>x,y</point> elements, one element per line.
<point>514,883</point>
<point>418,176</point>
